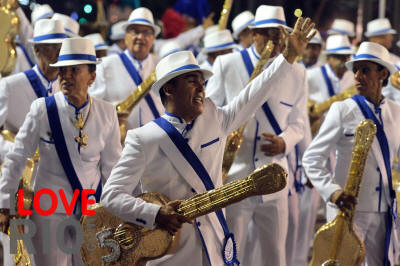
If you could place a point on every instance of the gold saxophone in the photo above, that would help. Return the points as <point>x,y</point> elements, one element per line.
<point>234,140</point>
<point>9,29</point>
<point>226,10</point>
<point>109,240</point>
<point>336,242</point>
<point>125,107</point>
<point>316,110</point>
<point>395,79</point>
<point>396,184</point>
<point>21,258</point>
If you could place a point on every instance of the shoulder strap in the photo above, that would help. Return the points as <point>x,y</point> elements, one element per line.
<point>328,82</point>
<point>247,61</point>
<point>271,118</point>
<point>26,55</point>
<point>138,80</point>
<point>202,173</point>
<point>35,82</point>
<point>62,150</point>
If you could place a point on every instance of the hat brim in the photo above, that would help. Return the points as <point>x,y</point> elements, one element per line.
<point>75,62</point>
<point>335,32</point>
<point>117,37</point>
<point>156,28</point>
<point>207,51</point>
<point>387,65</point>
<point>159,83</point>
<point>47,41</point>
<point>340,52</point>
<point>371,34</point>
<point>236,33</point>
<point>270,25</point>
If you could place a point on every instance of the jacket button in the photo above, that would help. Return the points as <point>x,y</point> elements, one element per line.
<point>255,159</point>
<point>198,223</point>
<point>194,191</point>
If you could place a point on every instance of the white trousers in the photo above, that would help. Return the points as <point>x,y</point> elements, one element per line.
<point>371,228</point>
<point>260,230</point>
<point>293,226</point>
<point>8,259</point>
<point>308,208</point>
<point>53,256</point>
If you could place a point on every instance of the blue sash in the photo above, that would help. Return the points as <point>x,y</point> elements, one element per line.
<point>26,55</point>
<point>62,150</point>
<point>383,143</point>
<point>328,82</point>
<point>138,80</point>
<point>247,61</point>
<point>36,83</point>
<point>201,171</point>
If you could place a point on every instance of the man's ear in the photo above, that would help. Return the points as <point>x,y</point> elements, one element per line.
<point>36,49</point>
<point>92,78</point>
<point>168,89</point>
<point>383,74</point>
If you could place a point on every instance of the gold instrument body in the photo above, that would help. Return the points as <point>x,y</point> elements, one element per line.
<point>8,31</point>
<point>21,258</point>
<point>395,79</point>
<point>125,107</point>
<point>226,10</point>
<point>316,110</point>
<point>396,184</point>
<point>234,140</point>
<point>336,241</point>
<point>130,244</point>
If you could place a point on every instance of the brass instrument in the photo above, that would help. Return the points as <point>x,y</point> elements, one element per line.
<point>234,140</point>
<point>8,31</point>
<point>316,110</point>
<point>336,242</point>
<point>108,240</point>
<point>21,258</point>
<point>395,79</point>
<point>396,184</point>
<point>125,107</point>
<point>226,10</point>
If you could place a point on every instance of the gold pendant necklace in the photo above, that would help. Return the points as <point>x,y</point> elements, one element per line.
<point>80,125</point>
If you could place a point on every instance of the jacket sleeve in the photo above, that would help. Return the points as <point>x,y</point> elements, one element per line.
<point>117,192</point>
<point>5,145</point>
<point>316,157</point>
<point>24,147</point>
<point>243,106</point>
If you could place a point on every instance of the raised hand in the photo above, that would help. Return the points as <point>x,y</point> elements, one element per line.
<point>208,21</point>
<point>297,40</point>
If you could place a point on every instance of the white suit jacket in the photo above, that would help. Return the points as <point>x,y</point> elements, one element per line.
<point>22,61</point>
<point>288,104</point>
<point>114,84</point>
<point>318,89</point>
<point>391,92</point>
<point>338,130</point>
<point>92,162</point>
<point>16,97</point>
<point>114,49</point>
<point>150,156</point>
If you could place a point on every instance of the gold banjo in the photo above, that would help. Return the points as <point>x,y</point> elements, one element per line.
<point>122,243</point>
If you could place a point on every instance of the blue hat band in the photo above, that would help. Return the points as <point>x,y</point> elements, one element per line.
<point>338,49</point>
<point>316,40</point>
<point>268,21</point>
<point>185,67</point>
<point>99,45</point>
<point>219,46</point>
<point>172,51</point>
<point>365,56</point>
<point>380,31</point>
<point>345,32</point>
<point>50,37</point>
<point>45,15</point>
<point>141,20</point>
<point>246,24</point>
<point>87,57</point>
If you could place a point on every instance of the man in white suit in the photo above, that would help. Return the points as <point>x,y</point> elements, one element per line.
<point>270,136</point>
<point>79,143</point>
<point>152,153</point>
<point>373,212</point>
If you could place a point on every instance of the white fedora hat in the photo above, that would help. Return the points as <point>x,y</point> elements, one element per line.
<point>142,16</point>
<point>98,41</point>
<point>76,51</point>
<point>380,26</point>
<point>48,31</point>
<point>241,22</point>
<point>40,12</point>
<point>269,17</point>
<point>71,27</point>
<point>317,39</point>
<point>338,44</point>
<point>169,48</point>
<point>118,30</point>
<point>211,29</point>
<point>217,41</point>
<point>373,52</point>
<point>342,26</point>
<point>174,65</point>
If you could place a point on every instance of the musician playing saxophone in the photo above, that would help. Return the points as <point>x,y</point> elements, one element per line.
<point>374,206</point>
<point>180,154</point>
